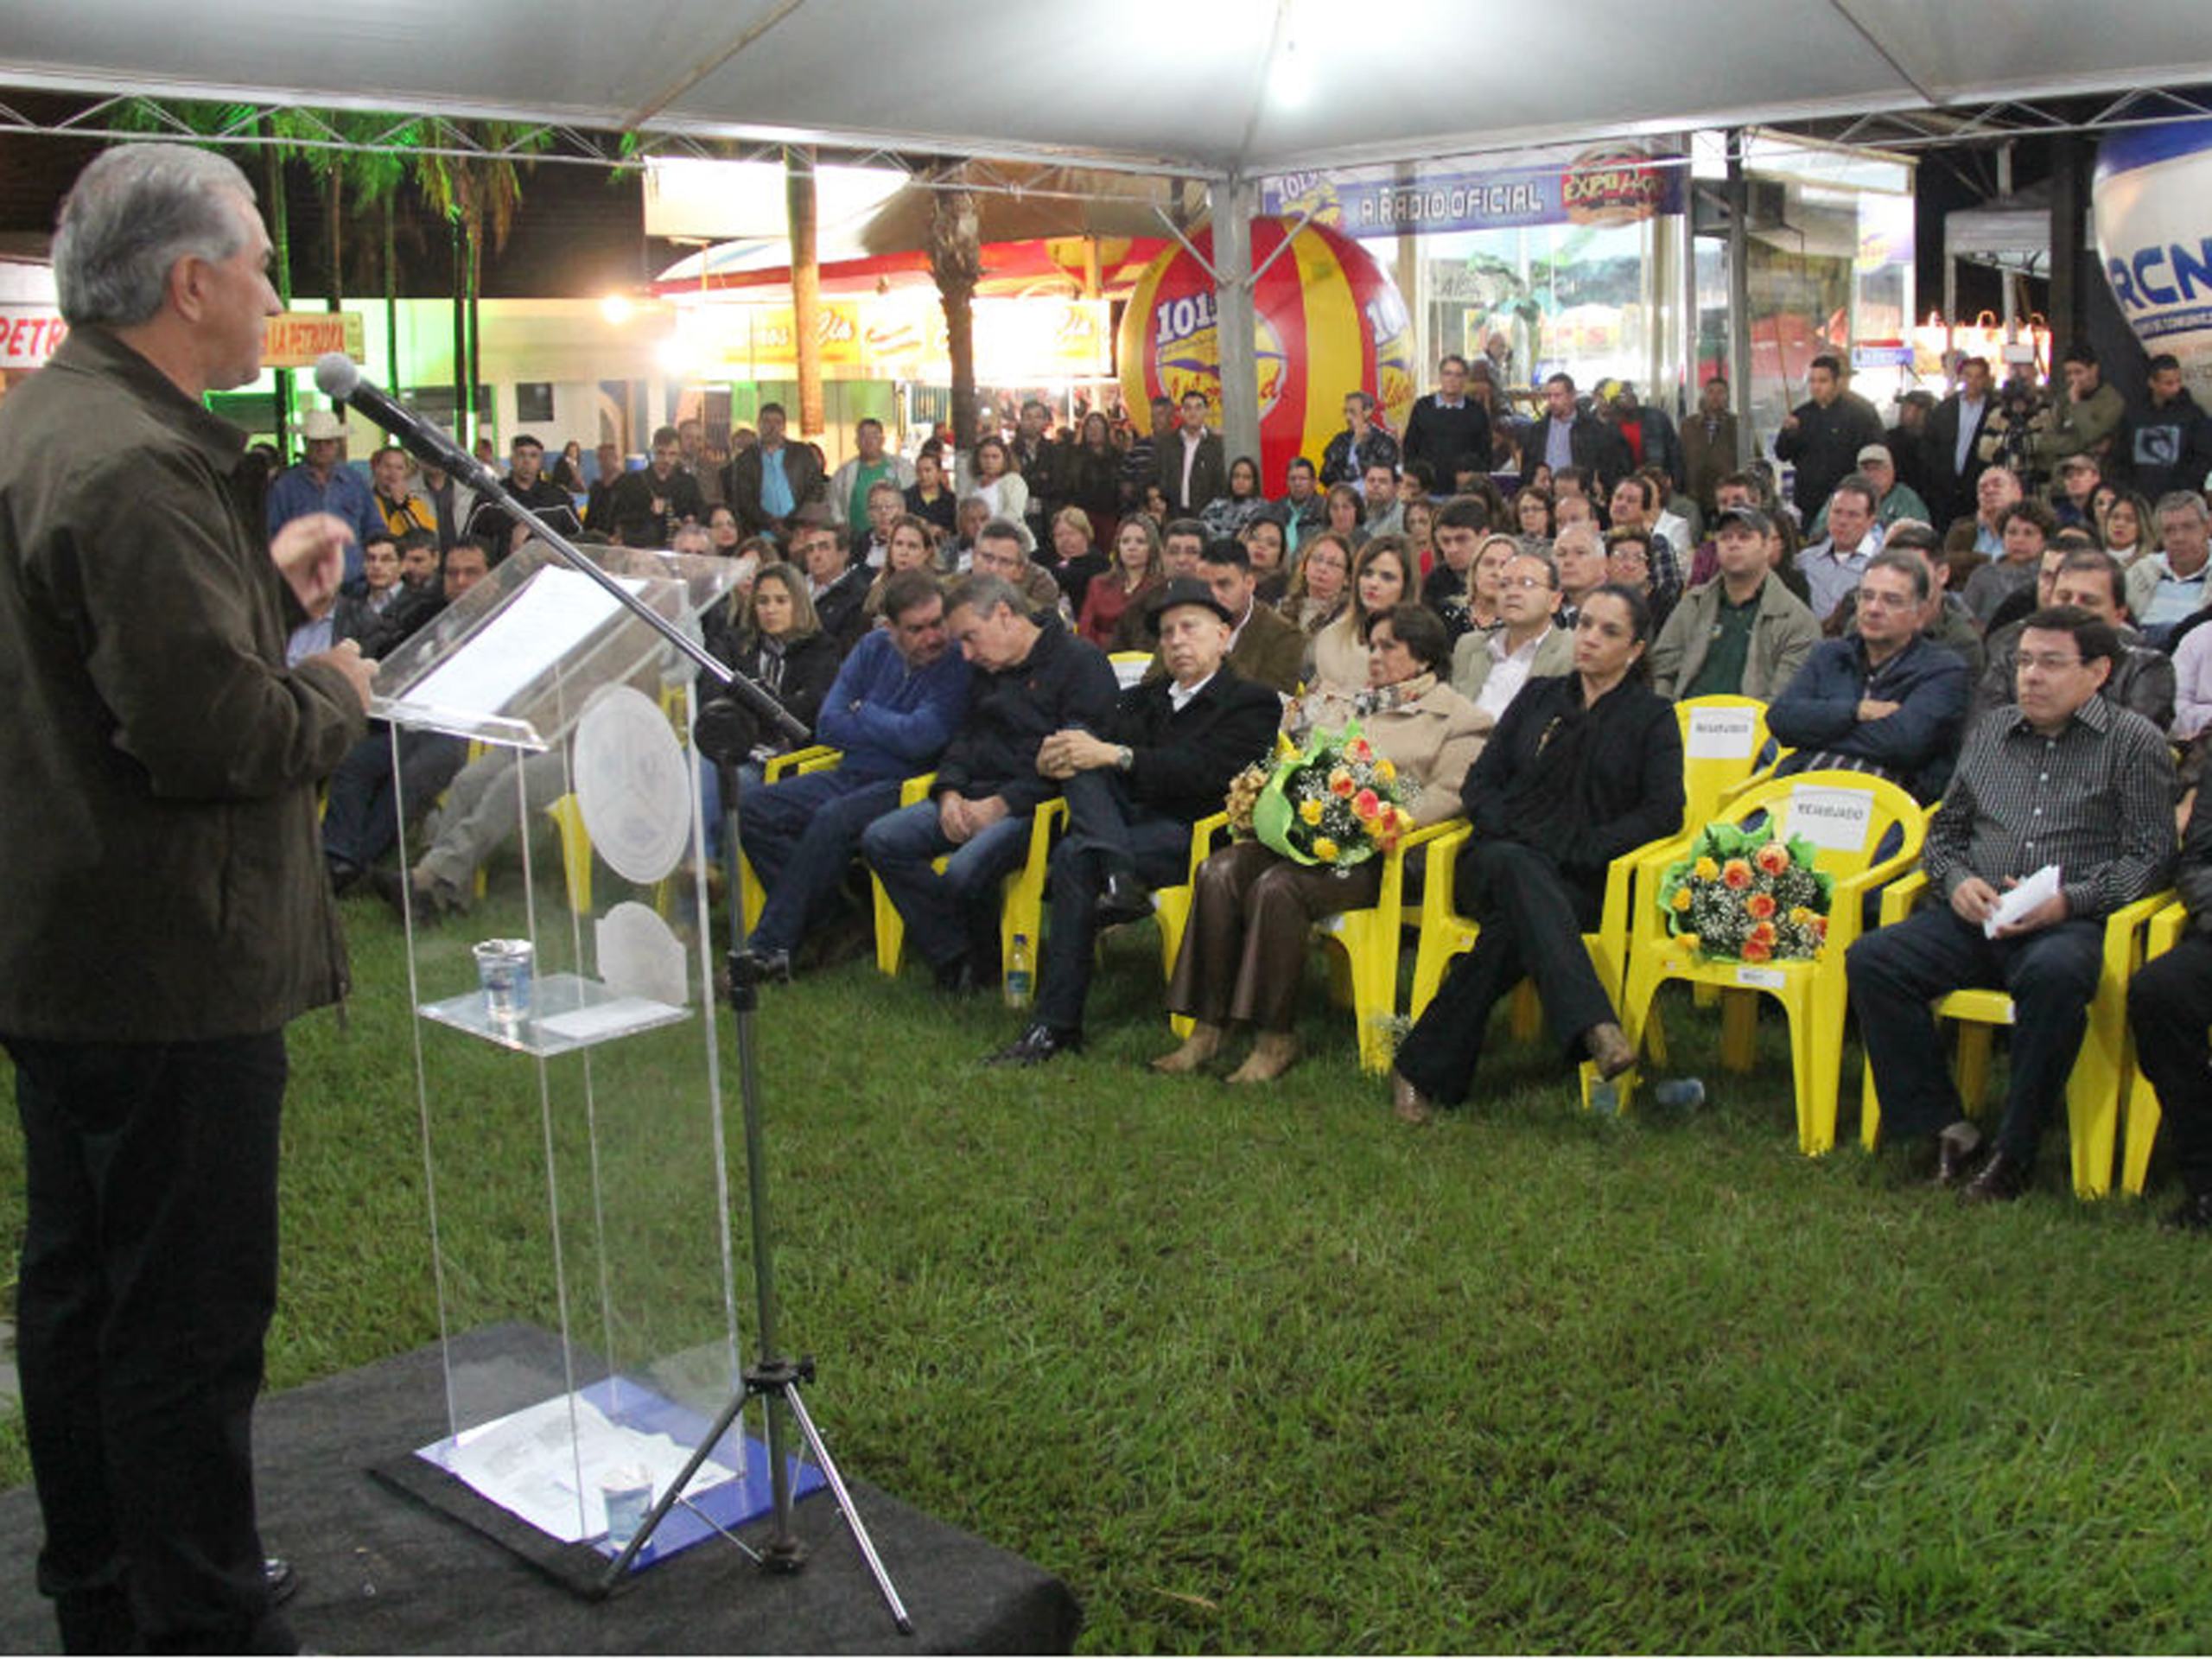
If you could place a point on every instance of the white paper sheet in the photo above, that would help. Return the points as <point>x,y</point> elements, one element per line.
<point>2020,900</point>
<point>1720,734</point>
<point>555,612</point>
<point>582,1025</point>
<point>527,1463</point>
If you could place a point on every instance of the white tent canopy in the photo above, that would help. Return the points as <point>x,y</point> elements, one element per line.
<point>1231,88</point>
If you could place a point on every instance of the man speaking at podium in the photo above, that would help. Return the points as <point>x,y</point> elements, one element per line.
<point>166,910</point>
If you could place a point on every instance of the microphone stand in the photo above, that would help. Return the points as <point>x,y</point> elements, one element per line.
<point>776,1378</point>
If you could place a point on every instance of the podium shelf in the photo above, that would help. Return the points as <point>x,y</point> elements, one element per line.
<point>567,1012</point>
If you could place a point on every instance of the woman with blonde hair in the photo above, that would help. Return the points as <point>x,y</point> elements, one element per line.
<point>1321,586</point>
<point>907,547</point>
<point>1114,609</point>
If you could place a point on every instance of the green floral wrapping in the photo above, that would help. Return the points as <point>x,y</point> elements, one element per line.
<point>1337,802</point>
<point>1748,895</point>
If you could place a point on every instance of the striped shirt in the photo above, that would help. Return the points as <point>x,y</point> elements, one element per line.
<point>2096,800</point>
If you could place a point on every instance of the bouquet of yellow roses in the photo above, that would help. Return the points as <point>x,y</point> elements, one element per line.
<point>1336,801</point>
<point>1748,895</point>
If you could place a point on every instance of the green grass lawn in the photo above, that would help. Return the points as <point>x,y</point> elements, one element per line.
<point>1266,1370</point>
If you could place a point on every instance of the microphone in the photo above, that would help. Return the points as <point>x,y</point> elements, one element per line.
<point>338,378</point>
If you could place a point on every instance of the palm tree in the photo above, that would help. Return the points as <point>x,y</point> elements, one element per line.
<point>956,247</point>
<point>476,194</point>
<point>806,284</point>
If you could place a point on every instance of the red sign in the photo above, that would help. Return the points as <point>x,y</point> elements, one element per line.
<point>296,339</point>
<point>28,335</point>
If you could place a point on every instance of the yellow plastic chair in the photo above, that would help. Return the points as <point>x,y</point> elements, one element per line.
<point>1022,908</point>
<point>816,757</point>
<point>1446,933</point>
<point>1129,666</point>
<point>1721,739</point>
<point>1847,815</point>
<point>1371,938</point>
<point>1171,907</point>
<point>2092,1088</point>
<point>2160,934</point>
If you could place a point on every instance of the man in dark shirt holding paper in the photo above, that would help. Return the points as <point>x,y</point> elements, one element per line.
<point>2062,790</point>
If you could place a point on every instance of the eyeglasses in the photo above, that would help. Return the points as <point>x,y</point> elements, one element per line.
<point>2050,662</point>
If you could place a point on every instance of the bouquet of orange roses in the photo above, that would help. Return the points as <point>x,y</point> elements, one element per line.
<point>1748,895</point>
<point>1336,802</point>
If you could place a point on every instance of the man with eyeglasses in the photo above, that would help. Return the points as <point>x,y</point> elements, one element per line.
<point>894,705</point>
<point>1489,670</point>
<point>1884,700</point>
<point>1003,551</point>
<point>2061,780</point>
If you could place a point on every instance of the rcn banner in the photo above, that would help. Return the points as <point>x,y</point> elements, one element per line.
<point>1610,184</point>
<point>2153,201</point>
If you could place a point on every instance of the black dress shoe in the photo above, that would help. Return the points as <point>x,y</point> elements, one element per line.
<point>1036,1045</point>
<point>343,874</point>
<point>1954,1152</point>
<point>395,887</point>
<point>1124,899</point>
<point>955,978</point>
<point>283,1583</point>
<point>2195,1215</point>
<point>761,967</point>
<point>2000,1180</point>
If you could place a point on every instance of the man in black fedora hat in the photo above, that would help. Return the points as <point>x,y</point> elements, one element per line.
<point>1164,761</point>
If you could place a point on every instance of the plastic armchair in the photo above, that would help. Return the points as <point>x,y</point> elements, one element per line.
<point>1446,933</point>
<point>1128,666</point>
<point>2160,934</point>
<point>1721,739</point>
<point>816,757</point>
<point>1371,938</point>
<point>2092,1088</point>
<point>1847,815</point>
<point>1171,907</point>
<point>1021,909</point>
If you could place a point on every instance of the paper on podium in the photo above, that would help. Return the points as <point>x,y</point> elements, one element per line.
<point>2018,901</point>
<point>546,1464</point>
<point>556,613</point>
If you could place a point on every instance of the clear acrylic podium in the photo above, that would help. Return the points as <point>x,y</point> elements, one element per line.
<point>574,1169</point>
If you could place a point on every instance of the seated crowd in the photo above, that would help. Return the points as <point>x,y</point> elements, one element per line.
<point>1513,647</point>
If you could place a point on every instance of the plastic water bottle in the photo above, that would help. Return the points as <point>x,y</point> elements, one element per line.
<point>1020,973</point>
<point>1680,1094</point>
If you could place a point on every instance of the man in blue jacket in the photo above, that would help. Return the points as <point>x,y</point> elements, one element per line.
<point>1884,700</point>
<point>895,704</point>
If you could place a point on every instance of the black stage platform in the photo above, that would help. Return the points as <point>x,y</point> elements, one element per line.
<point>381,1573</point>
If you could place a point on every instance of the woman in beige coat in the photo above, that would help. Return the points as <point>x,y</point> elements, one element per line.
<point>1244,949</point>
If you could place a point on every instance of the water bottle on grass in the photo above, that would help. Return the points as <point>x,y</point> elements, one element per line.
<point>1020,972</point>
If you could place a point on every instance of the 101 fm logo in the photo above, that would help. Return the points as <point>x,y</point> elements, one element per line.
<point>1186,352</point>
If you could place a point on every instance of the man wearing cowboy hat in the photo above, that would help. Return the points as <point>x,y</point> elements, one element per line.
<point>1163,762</point>
<point>324,483</point>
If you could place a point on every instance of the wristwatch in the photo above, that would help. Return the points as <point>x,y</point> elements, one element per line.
<point>1123,760</point>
